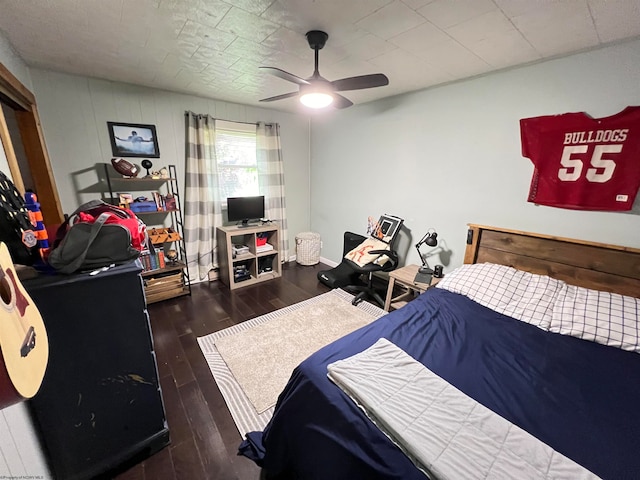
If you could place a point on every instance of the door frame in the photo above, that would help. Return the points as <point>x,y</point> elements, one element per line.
<point>14,94</point>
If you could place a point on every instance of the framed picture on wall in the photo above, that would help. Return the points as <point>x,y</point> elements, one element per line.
<point>133,140</point>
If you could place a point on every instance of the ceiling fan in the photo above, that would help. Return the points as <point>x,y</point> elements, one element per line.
<point>318,92</point>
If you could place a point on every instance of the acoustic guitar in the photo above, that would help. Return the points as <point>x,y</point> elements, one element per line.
<point>24,347</point>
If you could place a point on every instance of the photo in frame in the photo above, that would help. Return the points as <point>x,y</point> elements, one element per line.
<point>133,140</point>
<point>386,228</point>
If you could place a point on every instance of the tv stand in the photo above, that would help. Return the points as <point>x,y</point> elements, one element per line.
<point>254,266</point>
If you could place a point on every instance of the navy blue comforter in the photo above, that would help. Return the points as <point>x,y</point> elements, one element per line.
<point>579,397</point>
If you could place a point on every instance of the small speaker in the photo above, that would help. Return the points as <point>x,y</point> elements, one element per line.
<point>437,271</point>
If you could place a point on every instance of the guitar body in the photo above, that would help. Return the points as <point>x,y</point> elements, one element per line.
<point>24,347</point>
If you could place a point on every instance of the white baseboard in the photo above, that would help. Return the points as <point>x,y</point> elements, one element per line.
<point>326,261</point>
<point>323,260</point>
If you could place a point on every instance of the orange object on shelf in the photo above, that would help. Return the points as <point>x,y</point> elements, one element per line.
<point>163,235</point>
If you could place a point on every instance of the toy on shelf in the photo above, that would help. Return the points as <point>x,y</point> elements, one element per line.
<point>161,174</point>
<point>35,215</point>
<point>172,256</point>
<point>163,235</point>
<point>124,167</point>
<point>146,163</point>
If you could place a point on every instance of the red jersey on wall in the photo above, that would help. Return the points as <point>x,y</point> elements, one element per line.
<point>582,162</point>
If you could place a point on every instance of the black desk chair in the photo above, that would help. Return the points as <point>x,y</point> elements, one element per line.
<point>343,274</point>
<point>382,260</point>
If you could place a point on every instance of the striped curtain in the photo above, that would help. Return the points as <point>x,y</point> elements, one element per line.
<point>271,180</point>
<point>203,206</point>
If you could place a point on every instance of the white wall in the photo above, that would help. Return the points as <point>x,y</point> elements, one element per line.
<point>448,156</point>
<point>20,453</point>
<point>10,59</point>
<point>74,111</point>
<point>4,163</point>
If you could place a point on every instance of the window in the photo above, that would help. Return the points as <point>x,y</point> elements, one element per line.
<point>236,157</point>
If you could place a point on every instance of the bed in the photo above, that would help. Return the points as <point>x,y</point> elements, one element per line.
<point>574,389</point>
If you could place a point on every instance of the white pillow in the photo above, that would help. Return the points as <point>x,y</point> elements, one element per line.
<point>603,317</point>
<point>522,295</point>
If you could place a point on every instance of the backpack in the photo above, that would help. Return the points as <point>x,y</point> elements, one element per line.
<point>16,229</point>
<point>96,235</point>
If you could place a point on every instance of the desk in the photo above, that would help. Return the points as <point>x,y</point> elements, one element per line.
<point>404,277</point>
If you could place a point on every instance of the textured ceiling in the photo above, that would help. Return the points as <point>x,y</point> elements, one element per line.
<point>213,48</point>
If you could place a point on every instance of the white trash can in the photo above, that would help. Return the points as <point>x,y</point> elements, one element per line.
<point>308,248</point>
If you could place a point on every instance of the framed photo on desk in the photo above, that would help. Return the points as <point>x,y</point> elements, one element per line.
<point>387,227</point>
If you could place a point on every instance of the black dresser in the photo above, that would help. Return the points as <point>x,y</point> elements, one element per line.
<point>100,403</point>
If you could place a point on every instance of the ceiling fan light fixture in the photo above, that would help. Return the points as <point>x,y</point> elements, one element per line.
<point>318,92</point>
<point>316,99</point>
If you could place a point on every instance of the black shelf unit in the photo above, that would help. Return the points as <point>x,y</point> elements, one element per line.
<point>172,280</point>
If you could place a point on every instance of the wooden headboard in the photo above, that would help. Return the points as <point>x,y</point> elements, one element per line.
<point>587,264</point>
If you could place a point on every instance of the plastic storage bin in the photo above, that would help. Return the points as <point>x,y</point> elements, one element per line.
<point>142,207</point>
<point>308,248</point>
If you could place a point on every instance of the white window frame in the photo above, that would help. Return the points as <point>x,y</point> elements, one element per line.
<point>229,127</point>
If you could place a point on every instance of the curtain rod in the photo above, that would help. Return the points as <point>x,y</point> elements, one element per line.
<point>187,112</point>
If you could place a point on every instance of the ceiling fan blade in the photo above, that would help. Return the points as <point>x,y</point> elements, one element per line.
<point>360,82</point>
<point>341,102</point>
<point>285,75</point>
<point>279,97</point>
<point>317,84</point>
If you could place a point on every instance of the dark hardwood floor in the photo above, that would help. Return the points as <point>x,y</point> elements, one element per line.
<point>204,439</point>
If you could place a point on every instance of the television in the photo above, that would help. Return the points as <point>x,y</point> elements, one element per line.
<point>243,209</point>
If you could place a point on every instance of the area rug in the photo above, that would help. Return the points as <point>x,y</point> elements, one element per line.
<point>251,362</point>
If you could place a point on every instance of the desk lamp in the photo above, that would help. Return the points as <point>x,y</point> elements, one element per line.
<point>431,239</point>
